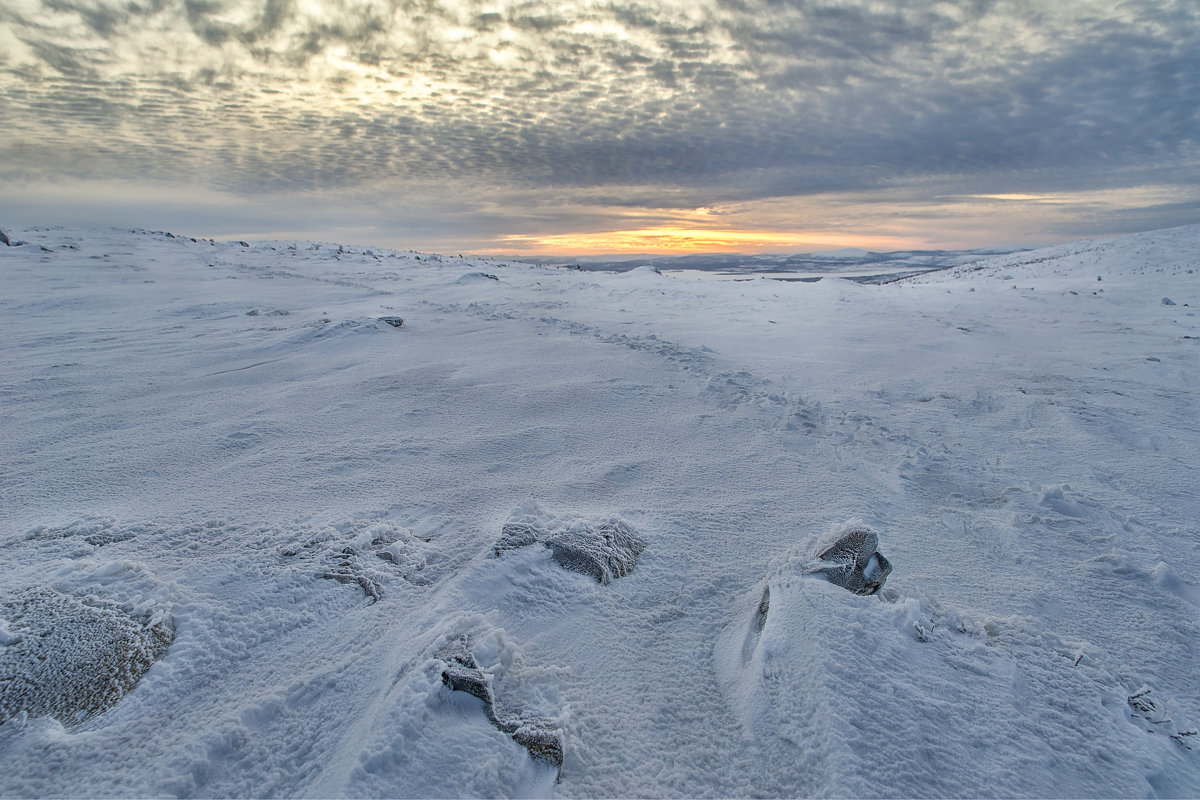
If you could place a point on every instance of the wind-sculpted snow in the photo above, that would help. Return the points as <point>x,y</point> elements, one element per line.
<point>234,436</point>
<point>1021,683</point>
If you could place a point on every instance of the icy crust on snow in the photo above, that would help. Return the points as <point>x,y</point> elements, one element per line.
<point>72,658</point>
<point>604,549</point>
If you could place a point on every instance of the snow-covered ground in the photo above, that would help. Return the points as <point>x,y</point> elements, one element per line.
<point>223,448</point>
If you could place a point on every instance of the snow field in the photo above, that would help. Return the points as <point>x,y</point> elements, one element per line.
<point>229,436</point>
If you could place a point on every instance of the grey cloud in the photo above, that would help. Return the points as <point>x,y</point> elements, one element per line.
<point>64,59</point>
<point>1108,222</point>
<point>746,100</point>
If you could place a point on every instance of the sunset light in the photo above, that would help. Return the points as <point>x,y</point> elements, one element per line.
<point>676,240</point>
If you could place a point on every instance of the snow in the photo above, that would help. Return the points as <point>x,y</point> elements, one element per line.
<point>231,440</point>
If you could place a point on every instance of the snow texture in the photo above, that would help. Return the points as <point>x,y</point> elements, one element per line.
<point>228,441</point>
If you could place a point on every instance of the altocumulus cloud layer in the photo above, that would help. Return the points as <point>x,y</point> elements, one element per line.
<point>649,106</point>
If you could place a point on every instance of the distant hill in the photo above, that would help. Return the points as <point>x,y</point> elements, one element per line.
<point>865,266</point>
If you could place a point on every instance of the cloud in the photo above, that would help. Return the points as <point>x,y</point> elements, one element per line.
<point>683,102</point>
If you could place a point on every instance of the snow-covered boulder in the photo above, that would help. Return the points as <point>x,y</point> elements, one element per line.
<point>71,659</point>
<point>854,562</point>
<point>604,549</point>
<point>515,535</point>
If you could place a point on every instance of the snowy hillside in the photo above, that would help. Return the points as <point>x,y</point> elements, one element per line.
<point>555,534</point>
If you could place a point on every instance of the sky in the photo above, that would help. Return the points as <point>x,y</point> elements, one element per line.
<point>622,126</point>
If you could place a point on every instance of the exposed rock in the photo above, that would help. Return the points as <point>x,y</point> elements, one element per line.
<point>345,574</point>
<point>543,744</point>
<point>395,322</point>
<point>1152,714</point>
<point>604,550</point>
<point>514,535</point>
<point>855,563</point>
<point>477,277</point>
<point>4,239</point>
<point>462,674</point>
<point>72,659</point>
<point>757,624</point>
<point>102,538</point>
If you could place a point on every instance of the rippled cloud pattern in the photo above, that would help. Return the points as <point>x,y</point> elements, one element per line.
<point>623,104</point>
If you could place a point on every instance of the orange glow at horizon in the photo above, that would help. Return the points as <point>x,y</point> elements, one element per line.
<point>668,239</point>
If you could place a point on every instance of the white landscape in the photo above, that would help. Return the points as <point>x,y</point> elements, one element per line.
<point>255,541</point>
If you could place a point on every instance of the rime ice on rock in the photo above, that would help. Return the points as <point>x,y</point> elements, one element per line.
<point>604,550</point>
<point>72,659</point>
<point>463,674</point>
<point>854,562</point>
<point>515,535</point>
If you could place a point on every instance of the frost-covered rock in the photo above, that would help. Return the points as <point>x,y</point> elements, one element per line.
<point>462,673</point>
<point>515,535</point>
<point>605,550</point>
<point>855,563</point>
<point>71,659</point>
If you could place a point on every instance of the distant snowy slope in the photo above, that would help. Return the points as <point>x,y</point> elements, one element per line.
<point>352,522</point>
<point>1167,254</point>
